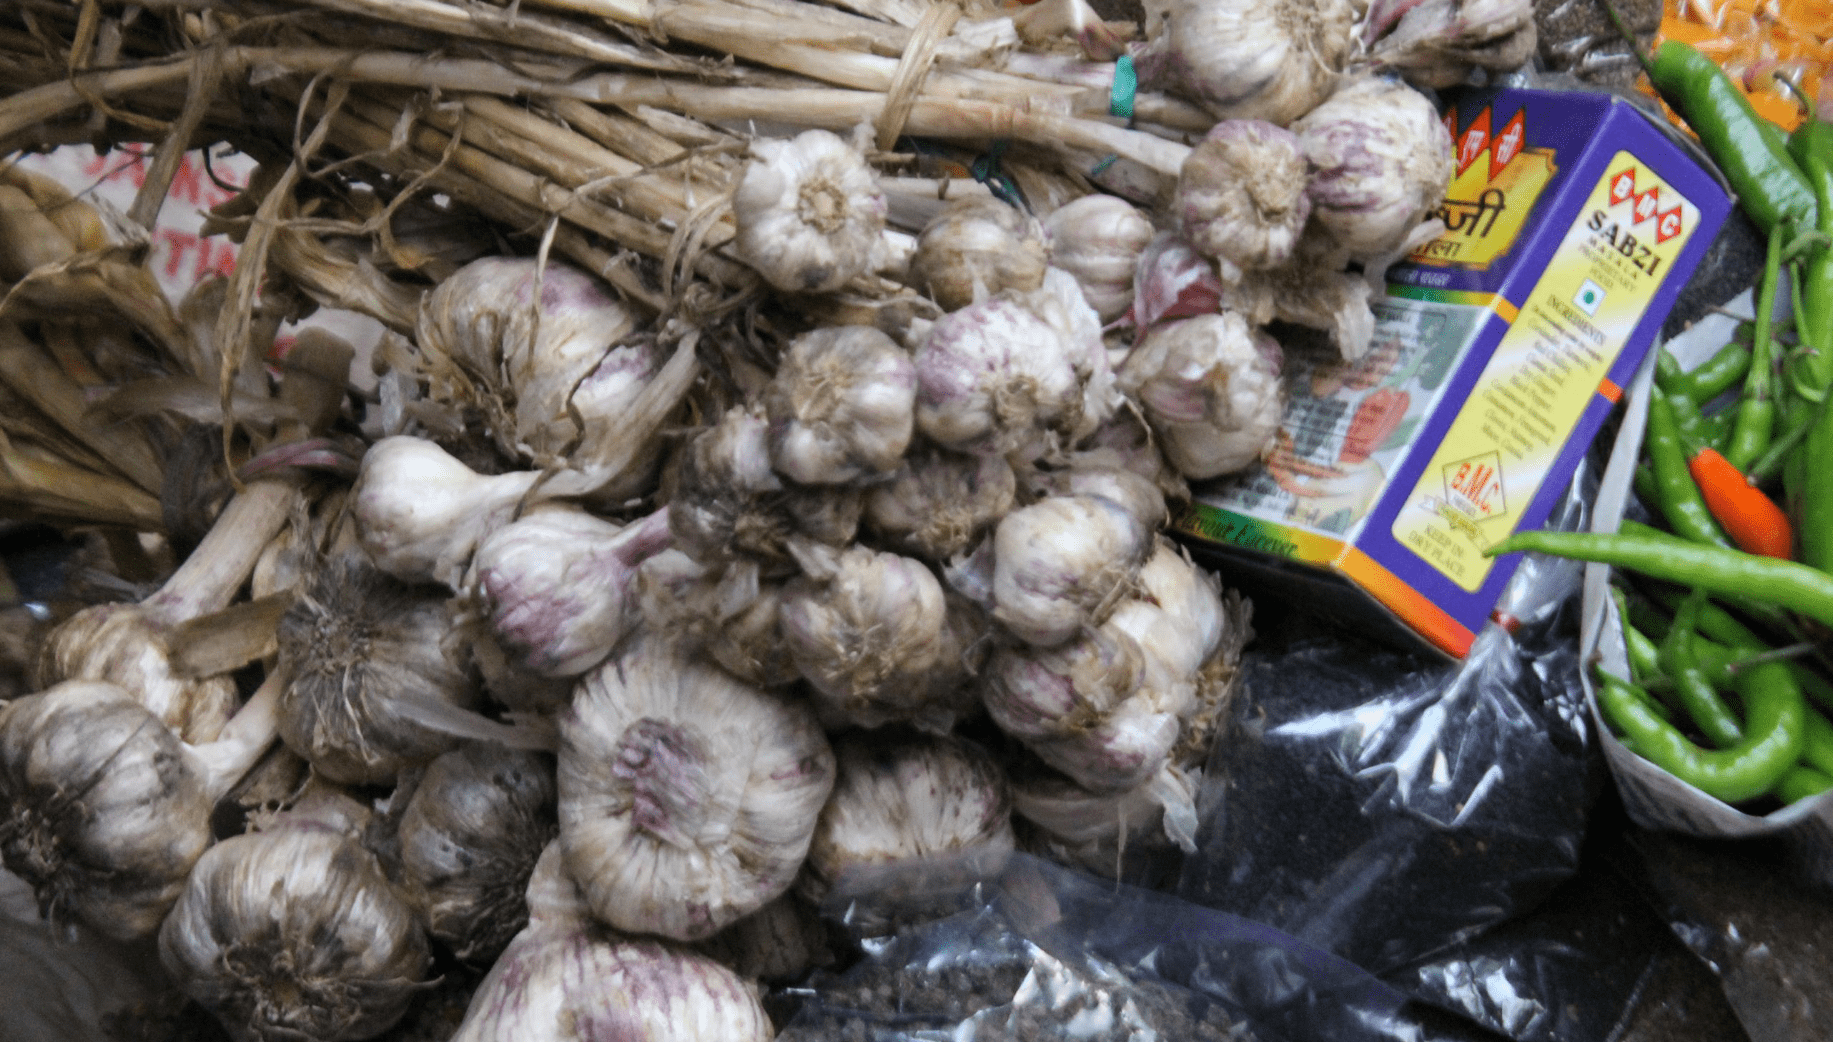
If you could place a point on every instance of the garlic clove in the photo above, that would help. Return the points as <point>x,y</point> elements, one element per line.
<point>1210,387</point>
<point>1097,239</point>
<point>939,502</point>
<point>841,406</point>
<point>1062,563</point>
<point>420,513</point>
<point>1241,196</point>
<point>123,644</point>
<point>809,213</point>
<point>976,247</point>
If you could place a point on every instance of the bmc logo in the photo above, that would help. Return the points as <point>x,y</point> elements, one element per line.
<point>1645,206</point>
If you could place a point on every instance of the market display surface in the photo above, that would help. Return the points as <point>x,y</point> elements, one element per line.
<point>675,520</point>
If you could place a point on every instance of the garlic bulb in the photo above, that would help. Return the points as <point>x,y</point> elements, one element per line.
<point>1097,240</point>
<point>294,932</point>
<point>468,842</point>
<point>367,654</point>
<point>725,611</point>
<point>1210,388</point>
<point>1061,564</point>
<point>778,943</point>
<point>1241,196</point>
<point>1129,489</point>
<point>1381,161</point>
<point>1273,60</point>
<point>939,503</point>
<point>555,584</point>
<point>865,628</point>
<point>976,247</point>
<point>1015,373</point>
<point>899,798</point>
<point>841,406</point>
<point>1096,830</point>
<point>564,979</point>
<point>1303,293</point>
<point>727,499</point>
<point>687,798</point>
<point>1438,43</point>
<point>809,213</point>
<point>420,513</point>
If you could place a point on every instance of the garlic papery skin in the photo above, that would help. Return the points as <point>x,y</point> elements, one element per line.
<point>1016,373</point>
<point>551,374</point>
<point>420,513</point>
<point>1096,831</point>
<point>1241,196</point>
<point>1097,239</point>
<point>1273,60</point>
<point>1062,563</point>
<point>468,842</point>
<point>1305,294</point>
<point>1380,160</point>
<point>564,978</point>
<point>367,652</point>
<point>974,248</point>
<point>842,406</point>
<point>1210,390</point>
<point>865,628</point>
<point>556,585</point>
<point>728,501</point>
<point>726,611</point>
<point>900,798</point>
<point>294,932</point>
<point>939,502</point>
<point>687,797</point>
<point>809,213</point>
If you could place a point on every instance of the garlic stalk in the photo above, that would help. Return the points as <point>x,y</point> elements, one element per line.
<point>1241,196</point>
<point>975,248</point>
<point>103,809</point>
<point>365,650</point>
<point>687,798</point>
<point>420,513</point>
<point>1272,60</point>
<point>939,503</point>
<point>865,628</point>
<point>901,798</point>
<point>1097,240</point>
<point>294,932</point>
<point>563,978</point>
<point>841,406</point>
<point>468,842</point>
<point>1061,564</point>
<point>726,611</point>
<point>1210,388</point>
<point>555,585</point>
<point>809,213</point>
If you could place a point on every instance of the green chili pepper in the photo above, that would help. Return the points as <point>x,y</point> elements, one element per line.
<point>1816,481</point>
<point>1769,748</point>
<point>1769,186</point>
<point>1716,430</point>
<point>1644,657</point>
<point>1817,743</point>
<point>1710,378</point>
<point>1697,696</point>
<point>1756,415</point>
<point>1799,783</point>
<point>1766,613</point>
<point>1676,495</point>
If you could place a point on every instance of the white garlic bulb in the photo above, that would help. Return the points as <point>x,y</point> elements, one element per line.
<point>865,628</point>
<point>1241,196</point>
<point>1062,563</point>
<point>124,644</point>
<point>364,651</point>
<point>420,513</point>
<point>1210,388</point>
<point>809,213</point>
<point>1273,60</point>
<point>901,798</point>
<point>468,842</point>
<point>1015,373</point>
<point>976,247</point>
<point>728,501</point>
<point>1097,239</point>
<point>1094,476</point>
<point>1096,830</point>
<point>555,585</point>
<point>938,503</point>
<point>563,979</point>
<point>687,797</point>
<point>1438,43</point>
<point>294,932</point>
<point>841,406</point>
<point>726,611</point>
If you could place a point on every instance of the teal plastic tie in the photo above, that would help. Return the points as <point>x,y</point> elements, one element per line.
<point>1126,86</point>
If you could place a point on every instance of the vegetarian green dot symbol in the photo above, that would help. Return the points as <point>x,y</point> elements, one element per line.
<point>1589,297</point>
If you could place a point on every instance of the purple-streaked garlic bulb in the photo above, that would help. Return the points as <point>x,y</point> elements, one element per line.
<point>728,501</point>
<point>687,797</point>
<point>809,213</point>
<point>371,659</point>
<point>727,611</point>
<point>1241,196</point>
<point>555,585</point>
<point>1380,160</point>
<point>420,513</point>
<point>295,932</point>
<point>900,798</point>
<point>976,247</point>
<point>1273,60</point>
<point>1210,388</point>
<point>468,842</point>
<point>564,978</point>
<point>865,628</point>
<point>104,810</point>
<point>1097,239</point>
<point>1062,563</point>
<point>939,503</point>
<point>1438,43</point>
<point>1015,373</point>
<point>841,406</point>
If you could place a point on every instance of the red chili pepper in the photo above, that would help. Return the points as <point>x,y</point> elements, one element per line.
<point>1752,520</point>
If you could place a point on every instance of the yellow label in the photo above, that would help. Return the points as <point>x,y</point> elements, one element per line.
<point>1546,368</point>
<point>1483,217</point>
